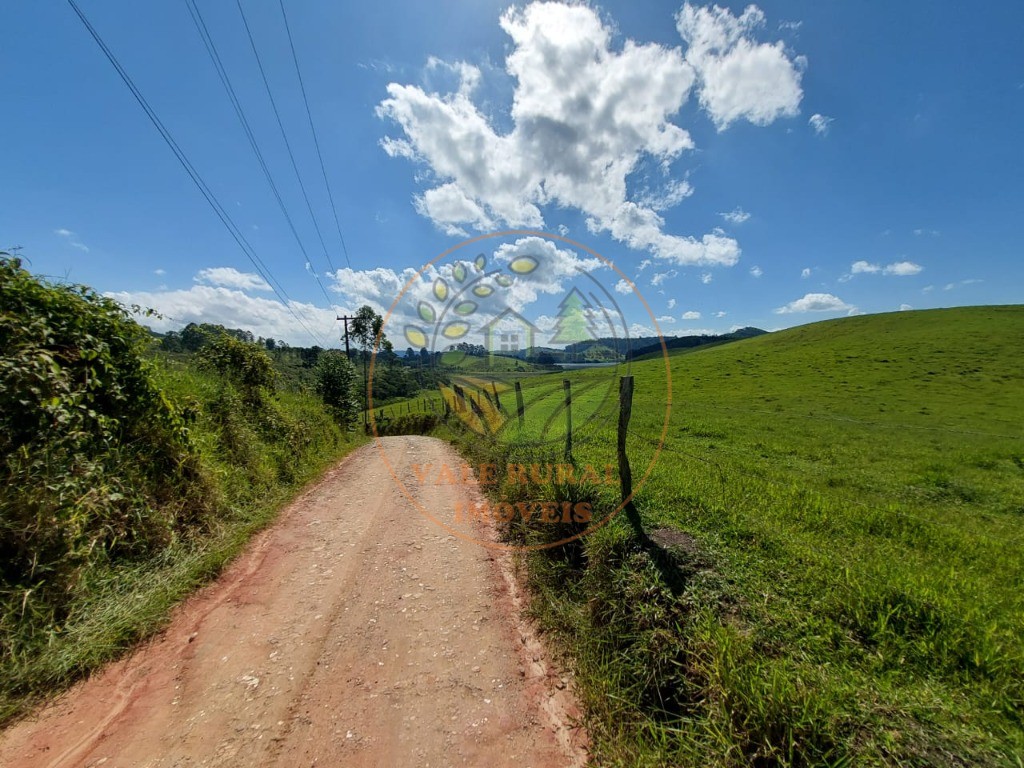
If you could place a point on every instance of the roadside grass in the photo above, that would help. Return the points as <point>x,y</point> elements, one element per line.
<point>849,498</point>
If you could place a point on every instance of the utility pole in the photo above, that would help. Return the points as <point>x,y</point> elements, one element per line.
<point>345,319</point>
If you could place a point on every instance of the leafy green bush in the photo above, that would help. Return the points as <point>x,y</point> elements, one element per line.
<point>97,466</point>
<point>336,381</point>
<point>129,476</point>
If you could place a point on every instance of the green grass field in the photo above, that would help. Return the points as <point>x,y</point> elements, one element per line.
<point>850,589</point>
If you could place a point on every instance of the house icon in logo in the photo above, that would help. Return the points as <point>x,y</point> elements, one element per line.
<point>508,333</point>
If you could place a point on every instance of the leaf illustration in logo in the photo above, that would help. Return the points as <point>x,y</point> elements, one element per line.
<point>455,330</point>
<point>440,289</point>
<point>483,290</point>
<point>459,272</point>
<point>481,262</point>
<point>503,280</point>
<point>426,312</point>
<point>465,308</point>
<point>415,336</point>
<point>524,265</point>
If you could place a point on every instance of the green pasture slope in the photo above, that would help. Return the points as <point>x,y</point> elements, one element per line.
<point>851,591</point>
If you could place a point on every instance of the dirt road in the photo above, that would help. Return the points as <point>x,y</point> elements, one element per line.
<point>352,633</point>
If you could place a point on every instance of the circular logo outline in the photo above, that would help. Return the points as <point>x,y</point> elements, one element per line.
<point>668,394</point>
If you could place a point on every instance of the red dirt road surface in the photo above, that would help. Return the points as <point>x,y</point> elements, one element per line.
<point>353,632</point>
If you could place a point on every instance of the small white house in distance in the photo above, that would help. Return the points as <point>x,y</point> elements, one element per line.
<point>508,333</point>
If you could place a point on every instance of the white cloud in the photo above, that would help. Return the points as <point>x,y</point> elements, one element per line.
<point>234,308</point>
<point>666,319</point>
<point>660,277</point>
<point>160,272</point>
<point>756,271</point>
<point>805,273</point>
<point>931,232</point>
<point>816,302</point>
<point>903,269</point>
<point>739,78</point>
<point>671,303</point>
<point>563,230</point>
<point>72,239</point>
<point>735,216</point>
<point>863,267</point>
<point>706,278</point>
<point>905,307</point>
<point>898,268</point>
<point>820,123</point>
<point>585,114</point>
<point>643,265</point>
<point>721,314</point>
<point>691,315</point>
<point>229,277</point>
<point>624,287</point>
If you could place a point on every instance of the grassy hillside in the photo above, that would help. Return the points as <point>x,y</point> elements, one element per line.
<point>845,582</point>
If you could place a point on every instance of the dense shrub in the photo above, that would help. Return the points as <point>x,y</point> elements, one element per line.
<point>97,466</point>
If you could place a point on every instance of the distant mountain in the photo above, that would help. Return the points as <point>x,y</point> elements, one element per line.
<point>609,348</point>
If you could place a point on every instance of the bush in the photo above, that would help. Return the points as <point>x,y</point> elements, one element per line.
<point>335,381</point>
<point>97,466</point>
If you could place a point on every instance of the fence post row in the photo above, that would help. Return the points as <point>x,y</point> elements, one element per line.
<point>520,410</point>
<point>625,411</point>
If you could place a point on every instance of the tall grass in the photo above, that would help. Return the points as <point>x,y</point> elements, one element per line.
<point>848,588</point>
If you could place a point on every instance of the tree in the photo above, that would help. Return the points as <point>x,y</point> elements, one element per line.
<point>335,382</point>
<point>367,330</point>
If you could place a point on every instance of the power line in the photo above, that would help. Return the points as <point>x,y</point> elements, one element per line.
<point>316,141</point>
<point>222,214</point>
<point>280,125</point>
<point>211,49</point>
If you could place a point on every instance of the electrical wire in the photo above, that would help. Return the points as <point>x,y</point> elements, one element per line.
<point>280,125</point>
<point>316,141</point>
<point>211,49</point>
<point>197,179</point>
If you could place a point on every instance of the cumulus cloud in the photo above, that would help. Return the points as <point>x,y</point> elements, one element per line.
<point>905,307</point>
<point>816,302</point>
<point>229,277</point>
<point>756,271</point>
<point>735,216</point>
<point>585,115</point>
<point>899,269</point>
<point>234,308</point>
<point>805,272</point>
<point>903,268</point>
<point>706,278</point>
<point>623,286</point>
<point>671,303</point>
<point>820,123</point>
<point>691,315</point>
<point>666,319</point>
<point>721,314</point>
<point>738,77</point>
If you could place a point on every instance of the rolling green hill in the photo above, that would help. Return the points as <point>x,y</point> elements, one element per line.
<point>850,495</point>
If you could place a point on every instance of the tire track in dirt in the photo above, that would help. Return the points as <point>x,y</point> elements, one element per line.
<point>352,632</point>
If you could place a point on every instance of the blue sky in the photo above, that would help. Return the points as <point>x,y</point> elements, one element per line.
<point>763,166</point>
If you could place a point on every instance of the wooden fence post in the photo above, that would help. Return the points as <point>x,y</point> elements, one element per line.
<point>520,410</point>
<point>625,410</point>
<point>497,402</point>
<point>566,385</point>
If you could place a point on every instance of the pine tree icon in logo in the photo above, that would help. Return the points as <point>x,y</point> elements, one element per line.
<point>575,321</point>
